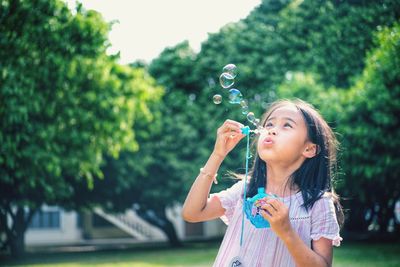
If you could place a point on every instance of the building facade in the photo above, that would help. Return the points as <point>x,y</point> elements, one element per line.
<point>56,226</point>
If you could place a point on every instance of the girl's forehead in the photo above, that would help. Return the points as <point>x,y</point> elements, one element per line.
<point>287,111</point>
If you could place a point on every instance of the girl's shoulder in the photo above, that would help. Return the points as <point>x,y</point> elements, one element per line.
<point>326,200</point>
<point>324,203</point>
<point>234,191</point>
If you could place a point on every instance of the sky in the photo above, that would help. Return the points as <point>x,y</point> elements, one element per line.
<point>146,27</point>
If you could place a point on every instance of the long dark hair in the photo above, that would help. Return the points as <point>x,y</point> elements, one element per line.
<point>315,176</point>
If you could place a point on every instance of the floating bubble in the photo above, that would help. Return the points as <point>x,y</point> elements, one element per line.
<point>251,117</point>
<point>231,70</point>
<point>264,105</point>
<point>243,103</point>
<point>217,99</point>
<point>257,97</point>
<point>289,75</point>
<point>245,110</point>
<point>226,80</point>
<point>235,96</point>
<point>192,97</point>
<point>211,82</point>
<point>255,122</point>
<point>258,130</point>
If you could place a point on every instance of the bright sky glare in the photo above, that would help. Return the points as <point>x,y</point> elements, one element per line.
<point>146,27</point>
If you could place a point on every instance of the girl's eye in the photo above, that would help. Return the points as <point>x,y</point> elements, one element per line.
<point>268,124</point>
<point>288,125</point>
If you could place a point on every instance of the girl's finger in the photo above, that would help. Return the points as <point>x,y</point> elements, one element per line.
<point>266,215</point>
<point>270,209</point>
<point>232,126</point>
<point>267,205</point>
<point>275,203</point>
<point>229,128</point>
<point>234,123</point>
<point>232,135</point>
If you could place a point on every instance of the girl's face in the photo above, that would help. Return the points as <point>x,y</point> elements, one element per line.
<point>284,139</point>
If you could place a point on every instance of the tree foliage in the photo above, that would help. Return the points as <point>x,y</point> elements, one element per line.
<point>64,103</point>
<point>371,129</point>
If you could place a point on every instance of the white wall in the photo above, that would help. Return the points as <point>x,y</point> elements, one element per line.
<point>68,233</point>
<point>214,228</point>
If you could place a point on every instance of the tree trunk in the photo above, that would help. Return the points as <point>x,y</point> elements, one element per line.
<point>17,245</point>
<point>159,219</point>
<point>16,237</point>
<point>3,230</point>
<point>15,232</point>
<point>169,230</point>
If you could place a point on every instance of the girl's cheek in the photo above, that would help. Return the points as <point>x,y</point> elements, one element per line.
<point>260,142</point>
<point>263,134</point>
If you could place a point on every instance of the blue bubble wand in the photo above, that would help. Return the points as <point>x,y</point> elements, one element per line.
<point>246,131</point>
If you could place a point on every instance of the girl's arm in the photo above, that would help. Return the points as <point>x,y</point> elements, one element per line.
<point>198,207</point>
<point>320,254</point>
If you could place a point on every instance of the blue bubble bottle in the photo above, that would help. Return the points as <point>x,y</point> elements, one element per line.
<point>253,212</point>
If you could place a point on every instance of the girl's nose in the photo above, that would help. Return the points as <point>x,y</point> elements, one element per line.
<point>272,131</point>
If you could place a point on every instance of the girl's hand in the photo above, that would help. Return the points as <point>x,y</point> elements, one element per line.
<point>277,214</point>
<point>228,136</point>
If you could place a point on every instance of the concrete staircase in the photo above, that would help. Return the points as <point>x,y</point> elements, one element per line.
<point>133,225</point>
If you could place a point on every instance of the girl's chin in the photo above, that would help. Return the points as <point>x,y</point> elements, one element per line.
<point>265,156</point>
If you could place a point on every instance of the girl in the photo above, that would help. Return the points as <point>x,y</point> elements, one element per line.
<point>296,154</point>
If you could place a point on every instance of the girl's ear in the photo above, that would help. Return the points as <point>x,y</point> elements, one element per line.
<point>311,150</point>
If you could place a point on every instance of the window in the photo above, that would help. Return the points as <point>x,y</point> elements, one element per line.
<point>46,220</point>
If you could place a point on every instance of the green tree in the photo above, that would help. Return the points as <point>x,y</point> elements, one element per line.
<point>370,128</point>
<point>328,38</point>
<point>365,118</point>
<point>152,178</point>
<point>63,104</point>
<point>331,37</point>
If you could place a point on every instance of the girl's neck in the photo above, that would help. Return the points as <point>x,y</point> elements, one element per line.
<point>278,180</point>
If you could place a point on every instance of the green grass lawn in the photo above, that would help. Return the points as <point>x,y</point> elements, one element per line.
<point>201,254</point>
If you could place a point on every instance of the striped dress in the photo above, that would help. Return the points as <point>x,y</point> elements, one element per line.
<point>262,247</point>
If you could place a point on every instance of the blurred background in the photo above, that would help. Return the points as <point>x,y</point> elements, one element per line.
<point>107,114</point>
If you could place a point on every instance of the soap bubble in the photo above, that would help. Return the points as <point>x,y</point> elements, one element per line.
<point>254,121</point>
<point>235,96</point>
<point>231,70</point>
<point>226,80</point>
<point>211,82</point>
<point>217,99</point>
<point>243,103</point>
<point>245,110</point>
<point>192,97</point>
<point>245,107</point>
<point>251,117</point>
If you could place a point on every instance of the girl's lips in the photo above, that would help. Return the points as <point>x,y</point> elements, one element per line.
<point>268,141</point>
